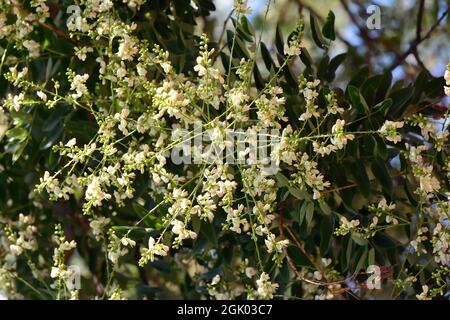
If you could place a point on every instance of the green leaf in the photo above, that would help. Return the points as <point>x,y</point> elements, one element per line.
<point>361,261</point>
<point>334,65</point>
<point>381,172</point>
<point>267,58</point>
<point>370,87</point>
<point>207,229</point>
<point>136,233</point>
<point>361,177</point>
<point>21,118</point>
<point>325,208</point>
<point>17,133</point>
<point>348,252</point>
<point>302,212</point>
<point>299,194</point>
<point>309,210</point>
<point>148,219</point>
<point>259,81</point>
<point>305,57</point>
<point>359,239</point>
<point>282,181</point>
<point>400,100</point>
<point>358,100</point>
<point>359,78</point>
<point>53,136</point>
<point>383,106</point>
<point>18,153</point>
<point>384,86</point>
<point>322,69</point>
<point>279,41</point>
<point>328,28</point>
<point>326,231</point>
<point>371,259</point>
<point>241,32</point>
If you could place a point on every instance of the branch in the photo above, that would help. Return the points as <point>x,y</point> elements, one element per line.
<point>363,32</point>
<point>417,41</point>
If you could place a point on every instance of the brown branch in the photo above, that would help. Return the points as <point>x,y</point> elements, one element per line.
<point>58,32</point>
<point>299,245</point>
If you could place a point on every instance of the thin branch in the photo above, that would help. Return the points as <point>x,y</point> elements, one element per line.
<point>416,42</point>
<point>419,19</point>
<point>419,34</point>
<point>58,32</point>
<point>320,18</point>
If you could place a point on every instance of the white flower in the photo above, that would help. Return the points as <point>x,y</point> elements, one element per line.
<point>15,249</point>
<point>141,70</point>
<point>346,226</point>
<point>33,47</point>
<point>78,84</point>
<point>250,272</point>
<point>154,248</point>
<point>95,194</point>
<point>55,272</point>
<point>98,225</point>
<point>273,245</point>
<point>447,76</point>
<point>167,67</point>
<point>180,230</point>
<point>265,289</point>
<point>339,138</point>
<point>447,91</point>
<point>81,53</point>
<point>215,280</point>
<point>17,101</point>
<point>389,130</point>
<point>429,184</point>
<point>292,50</point>
<point>241,6</point>
<point>67,246</point>
<point>128,242</point>
<point>127,48</point>
<point>134,3</point>
<point>424,294</point>
<point>71,142</point>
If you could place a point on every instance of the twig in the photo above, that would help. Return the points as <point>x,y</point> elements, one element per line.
<point>320,18</point>
<point>419,34</point>
<point>58,32</point>
<point>224,27</point>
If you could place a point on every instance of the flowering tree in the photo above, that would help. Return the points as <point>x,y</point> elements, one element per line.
<point>140,159</point>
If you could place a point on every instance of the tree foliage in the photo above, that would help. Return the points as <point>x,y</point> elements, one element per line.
<point>97,96</point>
